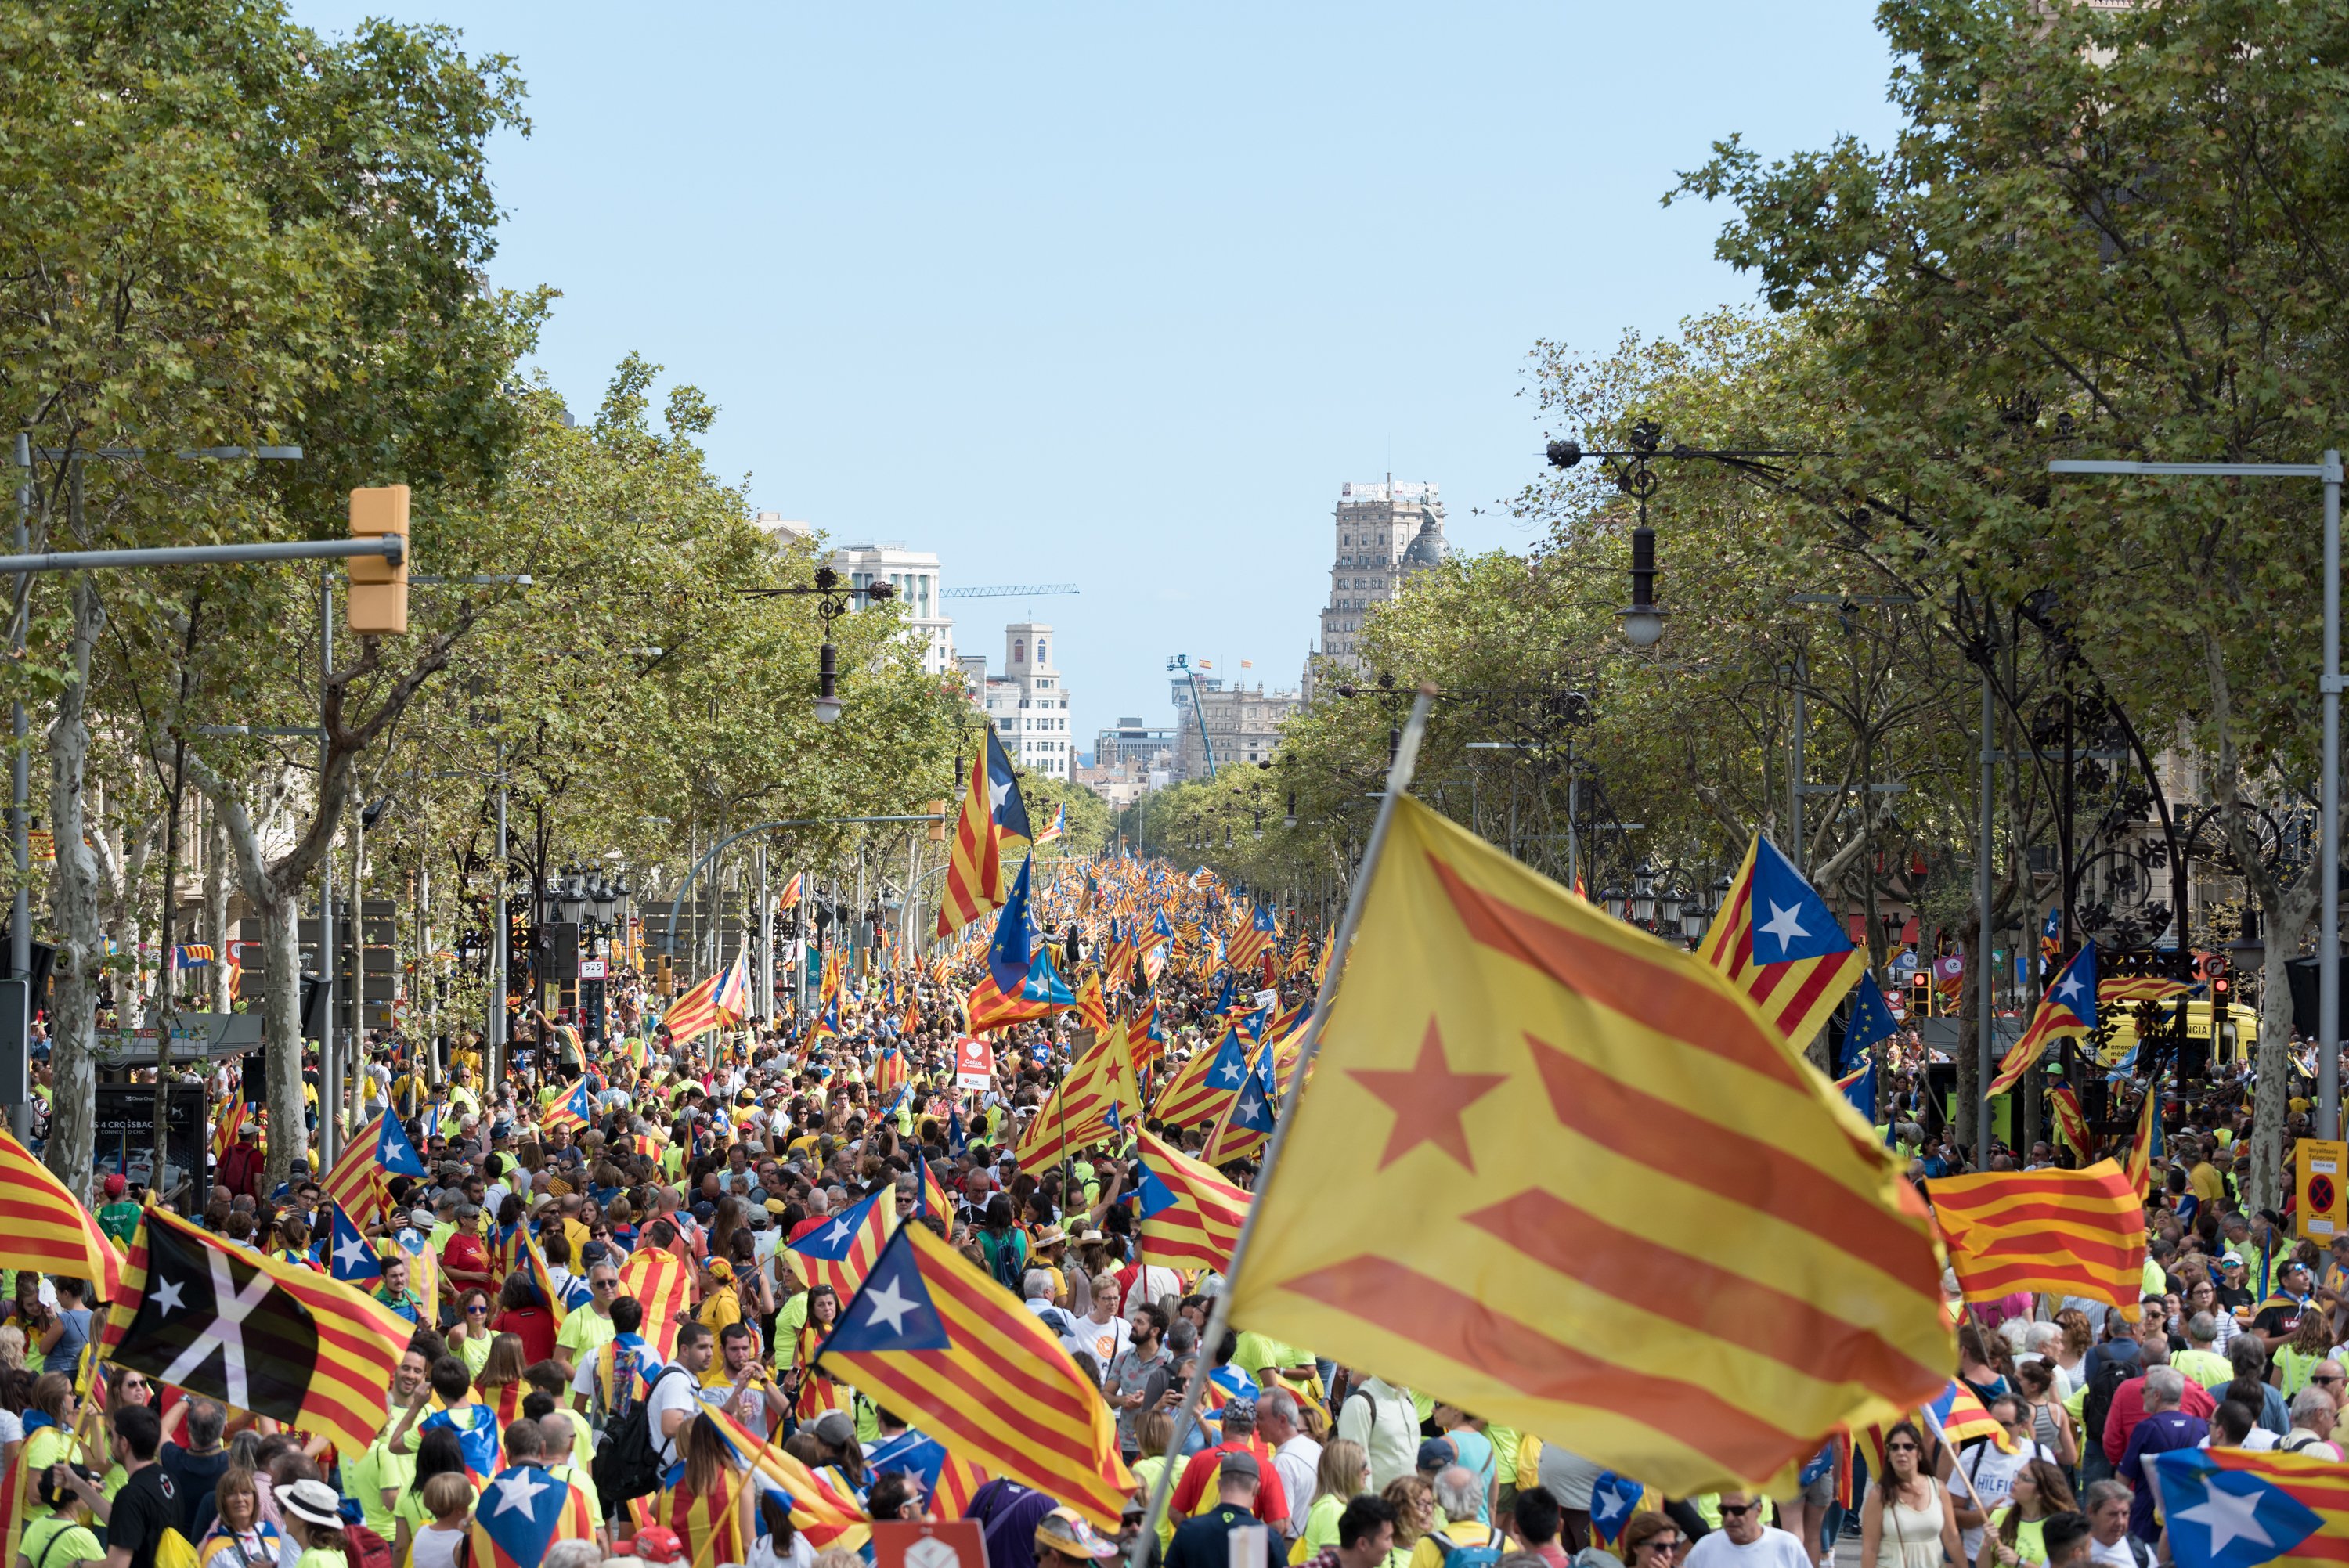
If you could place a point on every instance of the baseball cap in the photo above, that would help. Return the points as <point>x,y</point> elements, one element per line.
<point>1064,1531</point>
<point>1240,1462</point>
<point>1436,1453</point>
<point>114,1185</point>
<point>658,1543</point>
<point>835,1428</point>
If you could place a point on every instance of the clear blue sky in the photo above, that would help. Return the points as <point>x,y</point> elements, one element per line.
<point>1120,294</point>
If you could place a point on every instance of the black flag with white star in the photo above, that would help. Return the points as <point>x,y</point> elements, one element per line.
<point>257,1334</point>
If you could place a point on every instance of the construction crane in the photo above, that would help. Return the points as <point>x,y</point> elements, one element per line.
<point>1011,591</point>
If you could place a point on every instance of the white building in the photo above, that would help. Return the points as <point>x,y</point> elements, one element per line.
<point>1028,704</point>
<point>912,576</point>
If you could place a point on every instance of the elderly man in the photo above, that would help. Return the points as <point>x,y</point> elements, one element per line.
<point>2313,1416</point>
<point>1745,1542</point>
<point>1297,1457</point>
<point>2164,1429</point>
<point>2110,1545</point>
<point>1459,1493</point>
<point>2130,1405</point>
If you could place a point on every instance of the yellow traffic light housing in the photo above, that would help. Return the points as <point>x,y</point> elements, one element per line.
<point>938,828</point>
<point>378,589</point>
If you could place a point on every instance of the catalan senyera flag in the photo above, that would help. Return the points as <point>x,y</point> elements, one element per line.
<point>890,1074</point>
<point>693,1015</point>
<point>232,1113</point>
<point>975,880</point>
<point>2142,988</point>
<point>2071,1123</point>
<point>2066,1233</point>
<point>1958,1415</point>
<point>1776,941</point>
<point>2231,1508</point>
<point>2068,1011</point>
<point>44,1228</point>
<point>840,1254</point>
<point>934,1339</point>
<point>1190,1216</point>
<point>663,1285</point>
<point>272,1338</point>
<point>2145,1144</point>
<point>1508,1077</point>
<point>1078,1113</point>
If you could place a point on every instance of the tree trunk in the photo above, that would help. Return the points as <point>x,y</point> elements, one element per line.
<point>281,1026</point>
<point>2284,927</point>
<point>217,863</point>
<point>82,946</point>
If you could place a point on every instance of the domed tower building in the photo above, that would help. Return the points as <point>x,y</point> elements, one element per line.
<point>1382,533</point>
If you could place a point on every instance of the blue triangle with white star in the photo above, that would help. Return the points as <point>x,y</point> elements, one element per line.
<point>2224,1518</point>
<point>1790,921</point>
<point>891,1310</point>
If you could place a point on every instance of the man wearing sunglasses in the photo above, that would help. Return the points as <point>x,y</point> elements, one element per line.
<point>1745,1542</point>
<point>586,1328</point>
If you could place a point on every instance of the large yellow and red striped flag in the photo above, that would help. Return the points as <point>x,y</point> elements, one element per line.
<point>355,1179</point>
<point>664,1286</point>
<point>1573,1178</point>
<point>276,1339</point>
<point>2066,1233</point>
<point>1078,1113</point>
<point>975,880</point>
<point>693,1015</point>
<point>1190,1216</point>
<point>2226,1507</point>
<point>44,1228</point>
<point>1776,941</point>
<point>1092,1012</point>
<point>934,1339</point>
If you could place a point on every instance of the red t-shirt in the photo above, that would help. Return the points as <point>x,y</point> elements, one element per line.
<point>1272,1496</point>
<point>535,1327</point>
<point>465,1251</point>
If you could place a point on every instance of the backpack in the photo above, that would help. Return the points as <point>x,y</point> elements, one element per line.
<point>1003,1260</point>
<point>367,1549</point>
<point>1458,1556</point>
<point>2099,1405</point>
<point>628,1465</point>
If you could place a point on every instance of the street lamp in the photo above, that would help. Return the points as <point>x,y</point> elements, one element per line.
<point>832,600</point>
<point>1694,918</point>
<point>1612,897</point>
<point>1643,894</point>
<point>1669,905</point>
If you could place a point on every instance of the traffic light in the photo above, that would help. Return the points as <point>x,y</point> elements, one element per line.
<point>937,830</point>
<point>1921,993</point>
<point>378,590</point>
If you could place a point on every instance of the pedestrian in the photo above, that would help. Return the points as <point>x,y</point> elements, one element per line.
<point>1907,1521</point>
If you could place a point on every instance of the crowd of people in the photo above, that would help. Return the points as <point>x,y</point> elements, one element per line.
<point>725,1148</point>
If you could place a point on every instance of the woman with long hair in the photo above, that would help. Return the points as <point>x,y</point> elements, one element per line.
<point>1003,1243</point>
<point>470,1338</point>
<point>1414,1506</point>
<point>2296,1359</point>
<point>1907,1522</point>
<point>814,1392</point>
<point>728,1218</point>
<point>239,1537</point>
<point>1652,1540</point>
<point>438,1452</point>
<point>498,1383</point>
<point>1342,1475</point>
<point>2014,1536</point>
<point>2079,1338</point>
<point>711,1510</point>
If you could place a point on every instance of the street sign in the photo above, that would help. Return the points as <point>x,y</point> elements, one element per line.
<point>2321,1176</point>
<point>592,969</point>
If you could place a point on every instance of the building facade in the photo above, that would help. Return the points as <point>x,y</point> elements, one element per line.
<point>1380,533</point>
<point>1028,702</point>
<point>1242,723</point>
<point>1128,762</point>
<point>913,577</point>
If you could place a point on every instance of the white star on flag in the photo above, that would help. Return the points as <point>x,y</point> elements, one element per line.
<point>889,1307</point>
<point>2228,1516</point>
<point>2070,988</point>
<point>168,1294</point>
<point>351,1253</point>
<point>1784,924</point>
<point>838,1234</point>
<point>519,1490</point>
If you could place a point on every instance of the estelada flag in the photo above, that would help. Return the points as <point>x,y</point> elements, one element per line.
<point>2072,1122</point>
<point>574,1110</point>
<point>2068,1011</point>
<point>1092,1010</point>
<point>1776,941</point>
<point>2066,1233</point>
<point>840,1253</point>
<point>377,1150</point>
<point>975,880</point>
<point>1078,1112</point>
<point>271,1338</point>
<point>1190,1216</point>
<point>937,1341</point>
<point>1570,1176</point>
<point>2145,1144</point>
<point>2228,1508</point>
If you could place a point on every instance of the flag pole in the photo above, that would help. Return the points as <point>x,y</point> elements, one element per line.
<point>1398,772</point>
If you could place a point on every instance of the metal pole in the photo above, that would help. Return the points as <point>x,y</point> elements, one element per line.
<point>1984,1066</point>
<point>330,1077</point>
<point>1398,772</point>
<point>765,937</point>
<point>20,913</point>
<point>390,547</point>
<point>2328,942</point>
<point>1795,793</point>
<point>493,1057</point>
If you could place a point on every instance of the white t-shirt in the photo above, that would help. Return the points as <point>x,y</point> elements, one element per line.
<point>2117,1555</point>
<point>1102,1340</point>
<point>1993,1476</point>
<point>435,1547</point>
<point>681,1393</point>
<point>1776,1549</point>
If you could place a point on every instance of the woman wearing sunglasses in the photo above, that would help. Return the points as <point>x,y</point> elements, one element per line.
<point>1652,1540</point>
<point>1907,1522</point>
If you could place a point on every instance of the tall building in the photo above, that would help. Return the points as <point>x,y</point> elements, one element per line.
<point>1382,533</point>
<point>913,575</point>
<point>1128,762</point>
<point>1242,723</point>
<point>1028,703</point>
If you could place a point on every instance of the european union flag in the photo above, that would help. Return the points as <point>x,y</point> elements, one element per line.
<point>1791,921</point>
<point>1871,1021</point>
<point>1007,952</point>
